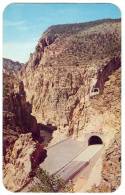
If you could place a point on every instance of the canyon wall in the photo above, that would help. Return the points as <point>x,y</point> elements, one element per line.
<point>73,80</point>
<point>68,69</point>
<point>23,149</point>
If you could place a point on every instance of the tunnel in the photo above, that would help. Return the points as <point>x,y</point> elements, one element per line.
<point>93,140</point>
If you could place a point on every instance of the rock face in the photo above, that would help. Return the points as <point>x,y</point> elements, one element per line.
<point>9,65</point>
<point>111,173</point>
<point>112,166</point>
<point>71,64</point>
<point>16,103</point>
<point>22,151</point>
<point>25,156</point>
<point>73,82</point>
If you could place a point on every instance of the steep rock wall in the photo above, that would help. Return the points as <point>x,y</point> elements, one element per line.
<point>60,78</point>
<point>22,151</point>
<point>68,67</point>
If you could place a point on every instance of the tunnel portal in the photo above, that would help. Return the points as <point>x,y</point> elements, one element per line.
<point>93,140</point>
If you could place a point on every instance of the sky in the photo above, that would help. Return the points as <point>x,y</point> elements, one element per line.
<point>23,24</point>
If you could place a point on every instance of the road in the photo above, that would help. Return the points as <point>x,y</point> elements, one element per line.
<point>69,157</point>
<point>61,154</point>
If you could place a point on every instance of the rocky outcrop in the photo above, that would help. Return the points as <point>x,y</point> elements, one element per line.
<point>10,65</point>
<point>25,156</point>
<point>22,151</point>
<point>108,105</point>
<point>111,172</point>
<point>43,43</point>
<point>104,73</point>
<point>16,103</point>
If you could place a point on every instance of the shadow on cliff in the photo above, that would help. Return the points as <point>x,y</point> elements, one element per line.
<point>24,119</point>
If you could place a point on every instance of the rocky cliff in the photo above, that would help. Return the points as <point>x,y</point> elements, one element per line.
<point>111,172</point>
<point>11,65</point>
<point>23,149</point>
<point>72,80</point>
<point>108,105</point>
<point>69,66</point>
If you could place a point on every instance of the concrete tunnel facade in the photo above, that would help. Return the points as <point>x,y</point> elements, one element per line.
<point>93,138</point>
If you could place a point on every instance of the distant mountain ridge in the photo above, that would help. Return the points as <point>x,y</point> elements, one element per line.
<point>74,28</point>
<point>11,65</point>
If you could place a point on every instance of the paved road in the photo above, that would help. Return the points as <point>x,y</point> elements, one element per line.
<point>61,154</point>
<point>68,157</point>
<point>80,162</point>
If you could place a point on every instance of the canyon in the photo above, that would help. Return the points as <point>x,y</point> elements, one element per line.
<point>72,90</point>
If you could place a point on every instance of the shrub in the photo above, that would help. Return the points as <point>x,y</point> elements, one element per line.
<point>51,183</point>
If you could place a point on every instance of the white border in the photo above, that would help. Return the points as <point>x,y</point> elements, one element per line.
<point>121,5</point>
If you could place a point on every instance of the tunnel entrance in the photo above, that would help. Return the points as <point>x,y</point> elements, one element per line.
<point>93,140</point>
